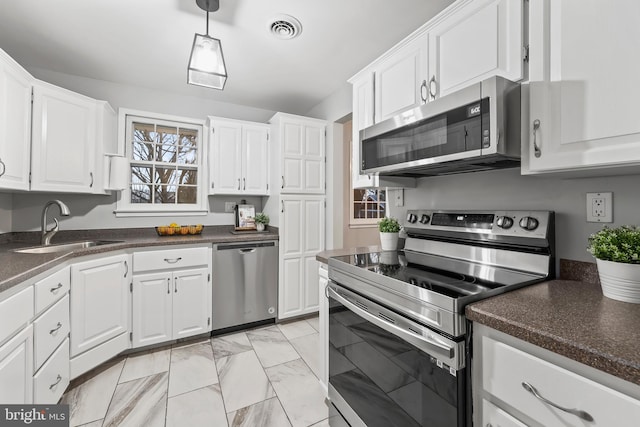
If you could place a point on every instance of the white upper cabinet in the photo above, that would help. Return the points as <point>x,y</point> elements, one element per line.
<point>583,96</point>
<point>302,153</point>
<point>401,80</point>
<point>15,124</point>
<point>69,134</point>
<point>63,145</point>
<point>239,158</point>
<point>483,38</point>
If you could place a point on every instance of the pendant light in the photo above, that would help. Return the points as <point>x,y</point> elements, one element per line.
<point>206,63</point>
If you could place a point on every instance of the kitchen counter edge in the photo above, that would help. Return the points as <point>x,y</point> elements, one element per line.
<point>570,318</point>
<point>18,267</point>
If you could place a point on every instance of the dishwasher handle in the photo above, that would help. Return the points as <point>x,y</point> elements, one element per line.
<point>243,246</point>
<point>244,251</point>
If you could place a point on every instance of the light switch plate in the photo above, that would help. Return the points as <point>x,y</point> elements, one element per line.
<point>600,207</point>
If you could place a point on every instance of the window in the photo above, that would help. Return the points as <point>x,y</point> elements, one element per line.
<point>165,166</point>
<point>368,206</point>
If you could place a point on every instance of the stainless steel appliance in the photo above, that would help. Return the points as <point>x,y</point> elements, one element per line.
<point>245,286</point>
<point>476,128</point>
<point>398,338</point>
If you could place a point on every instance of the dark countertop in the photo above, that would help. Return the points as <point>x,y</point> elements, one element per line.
<point>571,318</point>
<point>16,267</point>
<point>325,255</point>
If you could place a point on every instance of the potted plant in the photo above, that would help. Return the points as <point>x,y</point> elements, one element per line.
<point>617,253</point>
<point>389,229</point>
<point>261,220</point>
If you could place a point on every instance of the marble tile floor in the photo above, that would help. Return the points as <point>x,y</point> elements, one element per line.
<point>265,376</point>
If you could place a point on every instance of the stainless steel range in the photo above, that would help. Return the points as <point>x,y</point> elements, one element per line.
<point>398,337</point>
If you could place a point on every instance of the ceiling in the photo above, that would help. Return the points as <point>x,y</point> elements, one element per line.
<point>147,43</point>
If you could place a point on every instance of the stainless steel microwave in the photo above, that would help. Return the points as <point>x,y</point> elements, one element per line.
<point>476,128</point>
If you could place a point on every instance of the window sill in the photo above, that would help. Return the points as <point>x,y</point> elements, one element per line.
<point>375,225</point>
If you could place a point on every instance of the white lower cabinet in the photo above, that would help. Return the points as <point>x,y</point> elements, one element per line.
<point>301,238</point>
<point>16,368</point>
<point>171,305</point>
<point>171,294</point>
<point>100,311</point>
<point>509,376</point>
<point>50,382</point>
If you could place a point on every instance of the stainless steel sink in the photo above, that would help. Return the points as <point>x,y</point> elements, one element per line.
<point>65,247</point>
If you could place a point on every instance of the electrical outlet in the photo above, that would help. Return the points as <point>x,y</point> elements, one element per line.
<point>399,197</point>
<point>229,206</point>
<point>600,207</point>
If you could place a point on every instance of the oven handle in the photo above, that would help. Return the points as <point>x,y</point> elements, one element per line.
<point>429,345</point>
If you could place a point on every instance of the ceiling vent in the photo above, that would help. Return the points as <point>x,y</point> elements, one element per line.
<point>285,27</point>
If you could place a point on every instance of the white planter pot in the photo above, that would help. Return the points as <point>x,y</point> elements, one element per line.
<point>260,226</point>
<point>389,241</point>
<point>620,281</point>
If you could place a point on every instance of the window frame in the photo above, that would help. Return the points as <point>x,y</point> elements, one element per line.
<point>364,222</point>
<point>124,207</point>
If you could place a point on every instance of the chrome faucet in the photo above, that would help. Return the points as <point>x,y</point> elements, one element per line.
<point>48,234</point>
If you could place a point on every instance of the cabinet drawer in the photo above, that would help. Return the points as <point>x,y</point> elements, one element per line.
<point>505,368</point>
<point>170,259</point>
<point>53,378</point>
<point>492,416</point>
<point>50,330</point>
<point>52,288</point>
<point>15,312</point>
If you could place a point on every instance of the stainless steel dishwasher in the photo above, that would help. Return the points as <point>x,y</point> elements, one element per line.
<point>245,283</point>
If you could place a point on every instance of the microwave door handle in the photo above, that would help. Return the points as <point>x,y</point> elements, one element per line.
<point>424,343</point>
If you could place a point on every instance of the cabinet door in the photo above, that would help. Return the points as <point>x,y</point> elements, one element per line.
<point>225,158</point>
<point>323,309</point>
<point>191,303</point>
<point>16,369</point>
<point>292,148</point>
<point>583,114</point>
<point>100,302</point>
<point>291,252</point>
<point>401,79</point>
<point>479,40</point>
<point>15,124</point>
<point>63,140</point>
<point>300,240</point>
<point>314,159</point>
<point>255,160</point>
<point>152,309</point>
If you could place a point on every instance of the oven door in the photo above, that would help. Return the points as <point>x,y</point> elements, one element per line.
<point>386,370</point>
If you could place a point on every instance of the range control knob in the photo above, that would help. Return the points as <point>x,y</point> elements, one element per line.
<point>528,223</point>
<point>424,219</point>
<point>504,222</point>
<point>411,218</point>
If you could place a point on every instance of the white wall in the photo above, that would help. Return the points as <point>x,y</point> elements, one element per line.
<point>91,212</point>
<point>507,189</point>
<point>6,204</point>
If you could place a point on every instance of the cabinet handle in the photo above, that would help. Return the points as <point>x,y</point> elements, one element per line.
<point>4,167</point>
<point>91,176</point>
<point>238,183</point>
<point>282,186</point>
<point>126,266</point>
<point>577,412</point>
<point>244,183</point>
<point>55,288</point>
<point>172,260</point>
<point>168,285</point>
<point>424,93</point>
<point>54,330</point>
<point>56,383</point>
<point>536,149</point>
<point>175,284</point>
<point>282,203</point>
<point>433,87</point>
<point>212,186</point>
